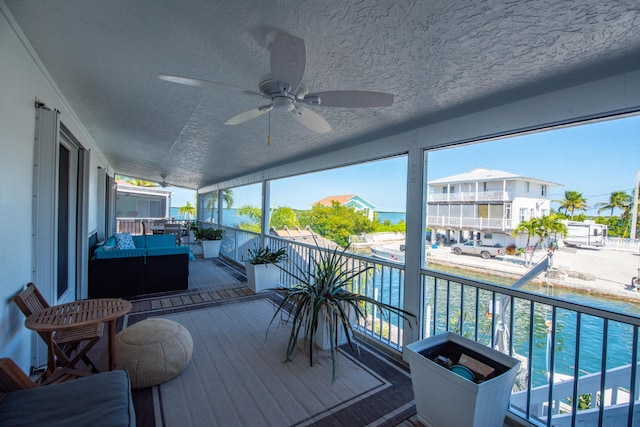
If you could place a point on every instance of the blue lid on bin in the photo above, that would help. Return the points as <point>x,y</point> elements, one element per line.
<point>463,371</point>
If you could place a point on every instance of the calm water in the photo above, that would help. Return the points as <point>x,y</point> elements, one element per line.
<point>565,294</point>
<point>619,339</point>
<point>393,217</point>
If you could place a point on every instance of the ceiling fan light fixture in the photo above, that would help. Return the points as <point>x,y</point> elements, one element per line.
<point>284,103</point>
<point>283,87</point>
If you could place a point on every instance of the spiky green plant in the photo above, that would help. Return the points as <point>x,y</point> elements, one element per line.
<point>208,234</point>
<point>319,293</point>
<point>260,255</point>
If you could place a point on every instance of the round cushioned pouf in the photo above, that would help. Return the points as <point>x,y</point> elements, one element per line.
<point>153,351</point>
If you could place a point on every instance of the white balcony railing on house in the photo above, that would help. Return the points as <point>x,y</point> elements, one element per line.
<point>618,243</point>
<point>467,222</point>
<point>556,340</point>
<point>470,196</point>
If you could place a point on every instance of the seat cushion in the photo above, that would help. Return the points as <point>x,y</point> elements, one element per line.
<point>139,241</point>
<point>97,400</point>
<point>168,250</point>
<point>103,253</point>
<point>160,240</point>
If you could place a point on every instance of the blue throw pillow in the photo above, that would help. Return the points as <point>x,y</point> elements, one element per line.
<point>124,241</point>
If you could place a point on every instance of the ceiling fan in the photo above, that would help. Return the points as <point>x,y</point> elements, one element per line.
<point>284,88</point>
<point>164,183</point>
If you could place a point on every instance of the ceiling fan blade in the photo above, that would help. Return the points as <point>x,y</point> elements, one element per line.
<point>207,84</point>
<point>349,99</point>
<point>310,119</point>
<point>288,60</point>
<point>248,115</point>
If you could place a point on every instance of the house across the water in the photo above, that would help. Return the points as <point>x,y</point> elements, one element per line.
<point>486,204</point>
<point>349,200</point>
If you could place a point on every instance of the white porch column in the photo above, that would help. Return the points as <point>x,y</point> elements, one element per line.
<point>416,188</point>
<point>219,219</point>
<point>266,213</point>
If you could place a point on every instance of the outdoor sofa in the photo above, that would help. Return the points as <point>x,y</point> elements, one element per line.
<point>156,264</point>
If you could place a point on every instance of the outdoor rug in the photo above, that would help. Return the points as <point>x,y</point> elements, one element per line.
<point>237,376</point>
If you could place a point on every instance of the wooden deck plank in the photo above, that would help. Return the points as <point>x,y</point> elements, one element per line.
<point>211,280</point>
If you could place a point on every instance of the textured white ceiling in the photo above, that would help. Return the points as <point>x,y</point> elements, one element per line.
<point>440,58</point>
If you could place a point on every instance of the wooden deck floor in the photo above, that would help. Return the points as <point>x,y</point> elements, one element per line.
<point>211,280</point>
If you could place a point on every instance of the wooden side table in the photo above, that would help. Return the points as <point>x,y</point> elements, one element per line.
<point>76,314</point>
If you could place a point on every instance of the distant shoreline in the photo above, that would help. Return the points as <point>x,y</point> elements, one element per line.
<point>610,287</point>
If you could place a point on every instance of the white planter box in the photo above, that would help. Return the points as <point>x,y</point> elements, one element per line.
<point>445,399</point>
<point>323,337</point>
<point>196,249</point>
<point>262,276</point>
<point>211,248</point>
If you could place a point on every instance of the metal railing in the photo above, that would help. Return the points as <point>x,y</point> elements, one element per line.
<point>470,196</point>
<point>384,282</point>
<point>479,223</point>
<point>631,245</point>
<point>129,225</point>
<point>236,243</point>
<point>557,341</point>
<point>134,225</point>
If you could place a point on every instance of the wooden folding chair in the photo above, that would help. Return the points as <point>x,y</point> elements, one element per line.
<point>12,378</point>
<point>68,343</point>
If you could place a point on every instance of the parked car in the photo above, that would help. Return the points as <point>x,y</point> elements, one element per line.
<point>475,247</point>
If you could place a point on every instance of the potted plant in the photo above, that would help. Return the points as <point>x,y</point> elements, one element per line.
<point>261,267</point>
<point>320,306</point>
<point>211,239</point>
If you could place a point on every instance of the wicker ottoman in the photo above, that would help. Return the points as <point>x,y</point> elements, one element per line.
<point>153,351</point>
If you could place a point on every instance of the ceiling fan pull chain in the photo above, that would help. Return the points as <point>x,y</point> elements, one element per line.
<point>269,133</point>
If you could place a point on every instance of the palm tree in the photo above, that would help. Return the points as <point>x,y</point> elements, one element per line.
<point>227,197</point>
<point>187,210</point>
<point>212,199</point>
<point>135,181</point>
<point>542,227</point>
<point>550,225</point>
<point>530,227</point>
<point>255,216</point>
<point>627,217</point>
<point>573,201</point>
<point>617,199</point>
